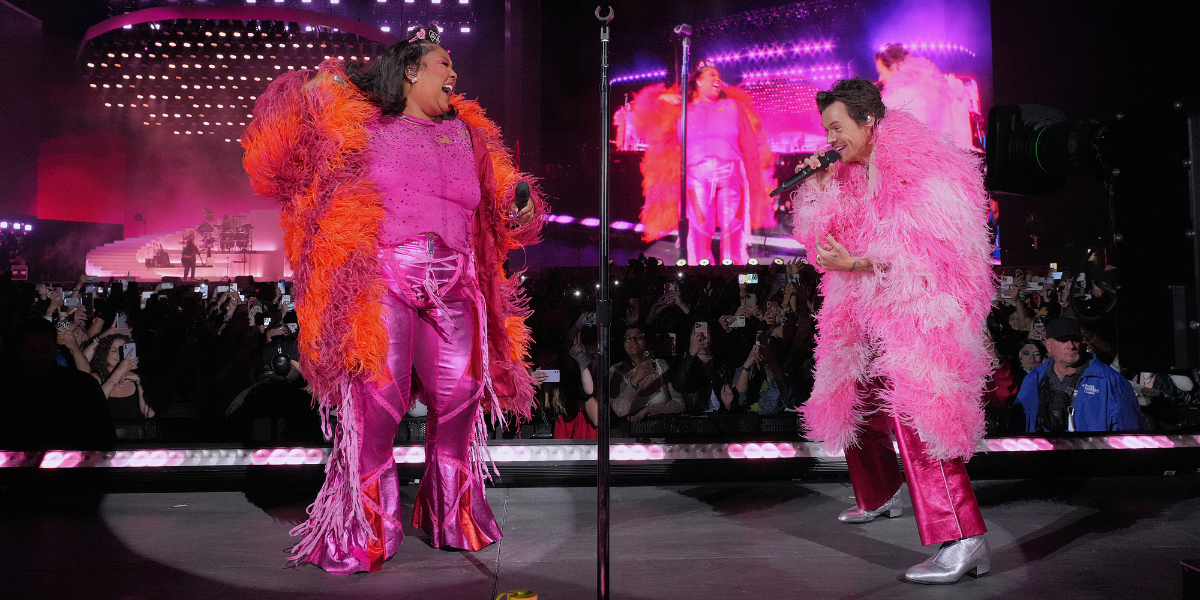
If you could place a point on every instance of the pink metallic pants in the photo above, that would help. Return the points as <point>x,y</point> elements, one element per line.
<point>715,199</point>
<point>433,314</point>
<point>943,501</point>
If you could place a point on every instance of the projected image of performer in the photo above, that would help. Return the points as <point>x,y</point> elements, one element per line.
<point>729,171</point>
<point>901,236</point>
<point>915,84</point>
<point>398,211</point>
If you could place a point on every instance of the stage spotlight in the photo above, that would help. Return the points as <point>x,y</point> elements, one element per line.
<point>727,261</point>
<point>681,262</point>
<point>704,262</point>
<point>3,224</point>
<point>28,227</point>
<point>778,261</point>
<point>579,293</point>
<point>16,225</point>
<point>752,262</point>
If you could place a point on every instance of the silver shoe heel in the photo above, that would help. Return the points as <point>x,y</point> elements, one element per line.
<point>954,559</point>
<point>856,515</point>
<point>983,568</point>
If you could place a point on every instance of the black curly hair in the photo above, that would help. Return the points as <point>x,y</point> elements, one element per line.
<point>694,85</point>
<point>383,81</point>
<point>861,97</point>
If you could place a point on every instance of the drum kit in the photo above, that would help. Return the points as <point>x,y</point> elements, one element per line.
<point>233,234</point>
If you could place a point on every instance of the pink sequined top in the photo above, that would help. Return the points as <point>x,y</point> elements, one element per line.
<point>713,131</point>
<point>426,175</point>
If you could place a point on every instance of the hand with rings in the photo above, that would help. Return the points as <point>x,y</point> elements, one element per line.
<point>833,256</point>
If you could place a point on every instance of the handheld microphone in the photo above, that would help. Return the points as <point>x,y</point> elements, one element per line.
<point>826,159</point>
<point>522,195</point>
<point>684,30</point>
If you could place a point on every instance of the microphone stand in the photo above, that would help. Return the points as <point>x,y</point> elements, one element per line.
<point>604,327</point>
<point>684,31</point>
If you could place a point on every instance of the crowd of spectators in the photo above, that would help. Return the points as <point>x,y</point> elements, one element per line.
<point>1058,369</point>
<point>691,341</point>
<point>194,362</point>
<point>93,362</point>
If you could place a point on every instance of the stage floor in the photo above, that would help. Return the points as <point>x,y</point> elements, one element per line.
<point>1111,538</point>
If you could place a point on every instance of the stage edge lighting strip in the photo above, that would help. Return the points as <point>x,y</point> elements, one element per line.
<point>647,76</point>
<point>549,453</point>
<point>933,47</point>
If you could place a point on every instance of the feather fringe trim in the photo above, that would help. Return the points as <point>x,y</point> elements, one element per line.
<point>307,147</point>
<point>338,508</point>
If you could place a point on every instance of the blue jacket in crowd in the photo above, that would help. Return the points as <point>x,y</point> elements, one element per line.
<point>1104,400</point>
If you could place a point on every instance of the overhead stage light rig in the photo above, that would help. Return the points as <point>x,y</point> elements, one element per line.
<point>197,70</point>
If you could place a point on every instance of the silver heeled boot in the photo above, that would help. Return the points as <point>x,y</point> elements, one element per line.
<point>891,508</point>
<point>955,559</point>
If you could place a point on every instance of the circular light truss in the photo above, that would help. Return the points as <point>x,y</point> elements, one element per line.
<point>202,76</point>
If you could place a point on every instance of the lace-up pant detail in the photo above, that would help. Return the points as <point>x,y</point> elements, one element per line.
<point>437,328</point>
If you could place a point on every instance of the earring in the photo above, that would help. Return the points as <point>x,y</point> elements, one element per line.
<point>412,76</point>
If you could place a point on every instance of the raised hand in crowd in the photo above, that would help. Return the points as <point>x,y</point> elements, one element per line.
<point>68,340</point>
<point>1023,317</point>
<point>120,374</point>
<point>278,330</point>
<point>643,373</point>
<point>746,310</point>
<point>662,303</point>
<point>56,302</point>
<point>698,342</point>
<point>633,312</point>
<point>95,328</point>
<point>754,357</point>
<point>793,266</point>
<point>677,298</point>
<point>727,396</point>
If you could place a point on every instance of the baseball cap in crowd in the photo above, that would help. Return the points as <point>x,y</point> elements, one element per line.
<point>1063,328</point>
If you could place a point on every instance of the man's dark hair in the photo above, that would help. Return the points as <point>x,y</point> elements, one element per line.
<point>383,80</point>
<point>892,55</point>
<point>860,96</point>
<point>646,330</point>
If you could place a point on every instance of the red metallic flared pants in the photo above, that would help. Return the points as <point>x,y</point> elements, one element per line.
<point>943,501</point>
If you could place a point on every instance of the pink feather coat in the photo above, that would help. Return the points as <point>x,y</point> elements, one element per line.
<point>918,212</point>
